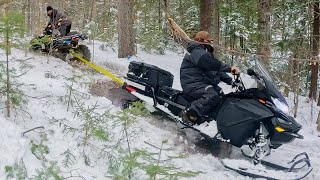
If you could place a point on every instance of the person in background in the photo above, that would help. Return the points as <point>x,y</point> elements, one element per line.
<point>58,23</point>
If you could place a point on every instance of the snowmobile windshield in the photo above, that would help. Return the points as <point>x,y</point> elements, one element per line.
<point>268,81</point>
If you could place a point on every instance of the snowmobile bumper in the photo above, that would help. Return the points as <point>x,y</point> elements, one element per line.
<point>299,167</point>
<point>296,135</point>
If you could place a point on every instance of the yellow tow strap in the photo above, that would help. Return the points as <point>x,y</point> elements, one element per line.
<point>99,69</point>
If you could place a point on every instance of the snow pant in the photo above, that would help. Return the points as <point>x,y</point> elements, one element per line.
<point>206,99</point>
<point>65,29</point>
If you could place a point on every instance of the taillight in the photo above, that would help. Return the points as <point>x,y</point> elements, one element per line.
<point>130,89</point>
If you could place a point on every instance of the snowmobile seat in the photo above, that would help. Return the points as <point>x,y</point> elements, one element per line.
<point>173,99</point>
<point>173,95</point>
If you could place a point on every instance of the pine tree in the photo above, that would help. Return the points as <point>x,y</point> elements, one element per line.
<point>216,21</point>
<point>206,20</point>
<point>126,41</point>
<point>11,25</point>
<point>315,51</point>
<point>265,29</point>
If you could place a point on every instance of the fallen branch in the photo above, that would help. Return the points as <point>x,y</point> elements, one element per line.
<point>160,148</point>
<point>39,127</point>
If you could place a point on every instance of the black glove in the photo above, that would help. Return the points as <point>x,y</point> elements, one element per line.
<point>233,84</point>
<point>236,83</point>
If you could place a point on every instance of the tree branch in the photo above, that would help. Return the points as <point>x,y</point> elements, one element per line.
<point>39,127</point>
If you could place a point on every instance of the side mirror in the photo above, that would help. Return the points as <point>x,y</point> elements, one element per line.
<point>251,72</point>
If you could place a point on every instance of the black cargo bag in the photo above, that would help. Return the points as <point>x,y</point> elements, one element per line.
<point>150,75</point>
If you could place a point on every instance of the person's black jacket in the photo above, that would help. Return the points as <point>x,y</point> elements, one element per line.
<point>58,19</point>
<point>199,67</point>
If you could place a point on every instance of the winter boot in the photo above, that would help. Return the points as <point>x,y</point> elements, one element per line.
<point>189,117</point>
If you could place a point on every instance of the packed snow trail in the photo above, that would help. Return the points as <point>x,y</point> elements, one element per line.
<point>46,88</point>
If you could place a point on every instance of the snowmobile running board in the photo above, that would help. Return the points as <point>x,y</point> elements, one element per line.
<point>292,172</point>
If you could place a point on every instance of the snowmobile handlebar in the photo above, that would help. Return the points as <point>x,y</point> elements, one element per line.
<point>238,83</point>
<point>251,72</point>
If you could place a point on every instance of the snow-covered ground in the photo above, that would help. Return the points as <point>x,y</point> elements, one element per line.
<point>46,87</point>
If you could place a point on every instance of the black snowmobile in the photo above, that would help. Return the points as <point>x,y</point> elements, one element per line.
<point>254,119</point>
<point>59,47</point>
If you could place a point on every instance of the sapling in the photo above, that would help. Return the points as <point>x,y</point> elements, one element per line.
<point>11,25</point>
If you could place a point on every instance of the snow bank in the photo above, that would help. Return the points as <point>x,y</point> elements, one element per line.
<point>12,145</point>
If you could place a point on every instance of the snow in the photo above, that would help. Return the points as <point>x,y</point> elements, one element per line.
<point>263,171</point>
<point>45,87</point>
<point>13,146</point>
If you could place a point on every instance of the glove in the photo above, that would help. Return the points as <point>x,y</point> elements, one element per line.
<point>235,71</point>
<point>233,84</point>
<point>56,32</point>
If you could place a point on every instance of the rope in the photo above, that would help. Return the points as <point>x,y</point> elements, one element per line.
<point>99,69</point>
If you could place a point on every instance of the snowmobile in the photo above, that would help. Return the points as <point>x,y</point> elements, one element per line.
<point>59,47</point>
<point>254,119</point>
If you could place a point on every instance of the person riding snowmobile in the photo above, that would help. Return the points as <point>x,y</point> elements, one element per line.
<point>200,74</point>
<point>58,23</point>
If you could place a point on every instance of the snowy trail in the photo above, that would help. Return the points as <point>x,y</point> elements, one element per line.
<point>46,86</point>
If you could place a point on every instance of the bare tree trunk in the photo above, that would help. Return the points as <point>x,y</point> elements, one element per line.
<point>29,22</point>
<point>296,71</point>
<point>105,14</point>
<point>2,2</point>
<point>93,9</point>
<point>315,51</point>
<point>160,14</point>
<point>39,28</point>
<point>265,29</point>
<point>215,22</point>
<point>206,10</point>
<point>126,39</point>
<point>241,39</point>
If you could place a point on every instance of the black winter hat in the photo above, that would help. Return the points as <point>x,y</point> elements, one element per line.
<point>49,8</point>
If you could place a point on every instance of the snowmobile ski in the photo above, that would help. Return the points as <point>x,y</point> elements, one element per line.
<point>292,165</point>
<point>299,168</point>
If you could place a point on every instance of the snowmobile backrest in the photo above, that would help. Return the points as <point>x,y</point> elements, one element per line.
<point>150,74</point>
